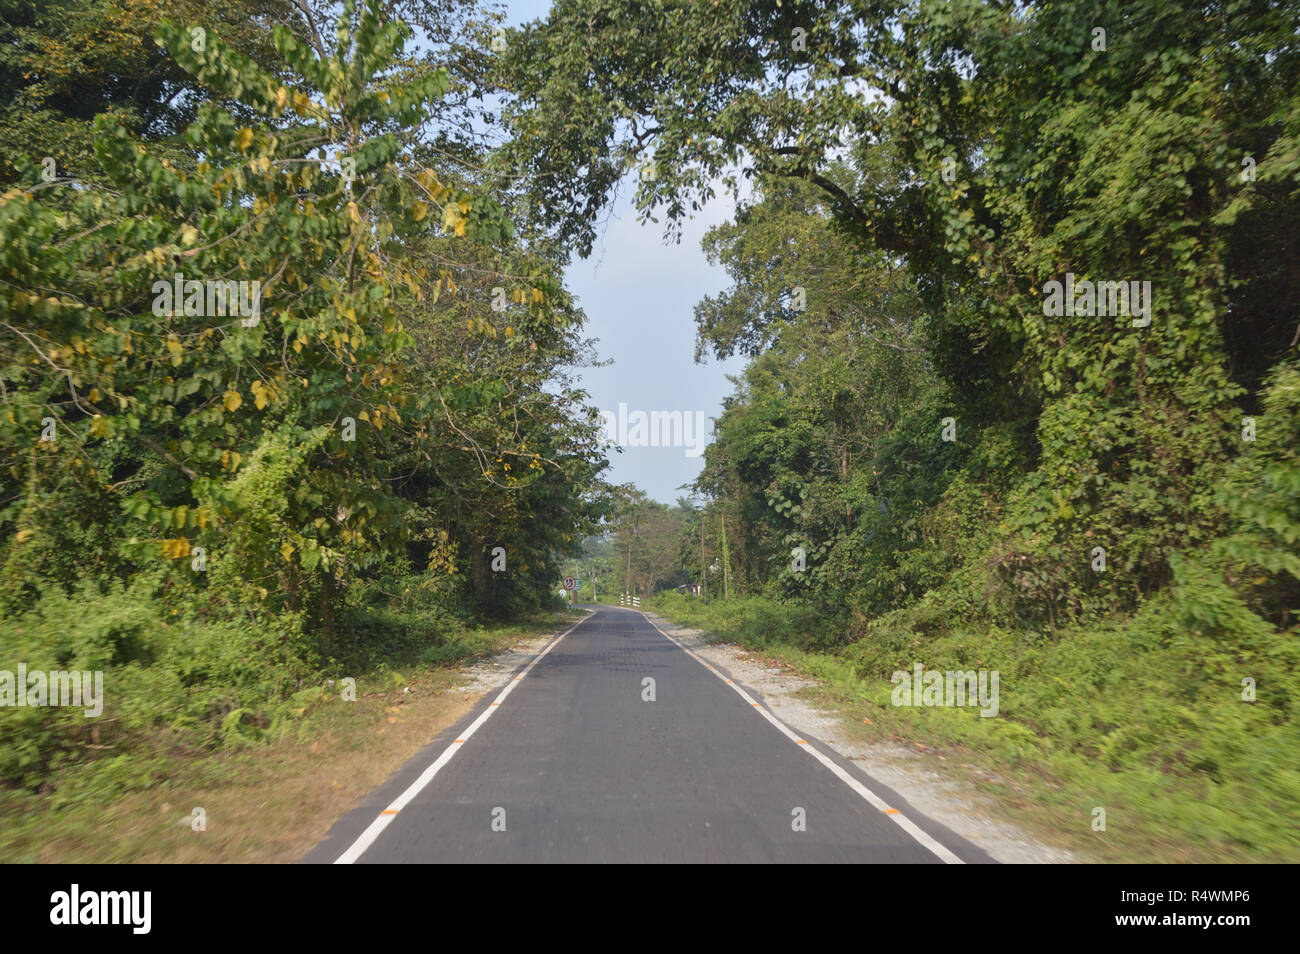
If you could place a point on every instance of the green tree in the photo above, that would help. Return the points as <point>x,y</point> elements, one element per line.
<point>156,408</point>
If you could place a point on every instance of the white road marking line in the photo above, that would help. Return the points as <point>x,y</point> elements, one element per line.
<point>382,821</point>
<point>925,839</point>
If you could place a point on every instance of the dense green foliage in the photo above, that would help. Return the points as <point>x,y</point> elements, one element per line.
<point>213,504</point>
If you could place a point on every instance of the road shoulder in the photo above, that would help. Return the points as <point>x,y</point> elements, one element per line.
<point>481,682</point>
<point>919,778</point>
<point>269,802</point>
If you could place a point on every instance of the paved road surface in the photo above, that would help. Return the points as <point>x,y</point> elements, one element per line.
<point>578,767</point>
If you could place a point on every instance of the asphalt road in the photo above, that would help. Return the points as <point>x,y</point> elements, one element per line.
<point>575,765</point>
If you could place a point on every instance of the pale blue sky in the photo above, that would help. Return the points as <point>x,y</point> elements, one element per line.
<point>639,296</point>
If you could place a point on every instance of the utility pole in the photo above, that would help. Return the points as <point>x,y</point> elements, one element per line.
<point>726,560</point>
<point>704,568</point>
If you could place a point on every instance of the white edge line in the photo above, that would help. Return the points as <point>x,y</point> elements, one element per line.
<point>373,830</point>
<point>924,838</point>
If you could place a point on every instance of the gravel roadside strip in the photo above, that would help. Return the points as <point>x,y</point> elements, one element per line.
<point>495,671</point>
